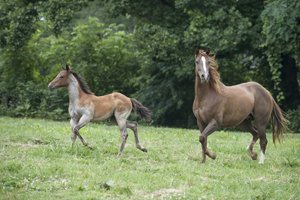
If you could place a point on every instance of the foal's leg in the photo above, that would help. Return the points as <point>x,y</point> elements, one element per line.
<point>209,129</point>
<point>133,127</point>
<point>121,118</point>
<point>82,122</point>
<point>124,135</point>
<point>73,123</point>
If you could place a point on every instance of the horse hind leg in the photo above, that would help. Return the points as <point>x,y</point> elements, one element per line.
<point>263,145</point>
<point>133,127</point>
<point>261,129</point>
<point>247,126</point>
<point>121,118</point>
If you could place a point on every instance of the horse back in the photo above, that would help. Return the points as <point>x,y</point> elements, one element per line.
<point>106,105</point>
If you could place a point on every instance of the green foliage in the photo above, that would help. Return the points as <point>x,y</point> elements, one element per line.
<point>34,100</point>
<point>104,55</point>
<point>144,49</point>
<point>294,119</point>
<point>37,161</point>
<point>282,34</point>
<point>162,73</point>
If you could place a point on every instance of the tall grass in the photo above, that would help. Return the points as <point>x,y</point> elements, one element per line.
<point>37,162</point>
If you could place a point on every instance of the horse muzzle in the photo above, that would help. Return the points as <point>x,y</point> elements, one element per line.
<point>204,77</point>
<point>51,86</point>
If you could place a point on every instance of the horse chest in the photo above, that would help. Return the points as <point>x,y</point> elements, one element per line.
<point>208,109</point>
<point>75,110</point>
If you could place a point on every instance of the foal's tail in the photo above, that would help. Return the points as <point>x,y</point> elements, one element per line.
<point>141,110</point>
<point>279,122</point>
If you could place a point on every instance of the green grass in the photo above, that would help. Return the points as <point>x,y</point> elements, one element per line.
<point>37,162</point>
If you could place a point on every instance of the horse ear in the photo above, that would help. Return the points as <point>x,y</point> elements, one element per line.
<point>68,67</point>
<point>207,51</point>
<point>197,51</point>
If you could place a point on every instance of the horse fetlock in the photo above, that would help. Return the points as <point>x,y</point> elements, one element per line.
<point>75,130</point>
<point>124,136</point>
<point>73,137</point>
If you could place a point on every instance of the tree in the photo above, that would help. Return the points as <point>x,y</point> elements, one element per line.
<point>168,32</point>
<point>281,31</point>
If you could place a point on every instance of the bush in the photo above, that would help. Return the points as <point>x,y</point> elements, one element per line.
<point>34,100</point>
<point>294,116</point>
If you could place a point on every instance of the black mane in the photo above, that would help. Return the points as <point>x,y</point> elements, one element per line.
<point>83,85</point>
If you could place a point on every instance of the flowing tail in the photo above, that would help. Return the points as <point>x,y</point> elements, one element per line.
<point>141,110</point>
<point>279,122</point>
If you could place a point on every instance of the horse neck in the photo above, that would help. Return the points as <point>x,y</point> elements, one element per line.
<point>74,89</point>
<point>201,89</point>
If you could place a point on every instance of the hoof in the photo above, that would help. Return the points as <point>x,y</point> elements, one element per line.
<point>254,156</point>
<point>88,146</point>
<point>143,149</point>
<point>211,155</point>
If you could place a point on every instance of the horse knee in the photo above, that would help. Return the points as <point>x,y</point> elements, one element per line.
<point>124,135</point>
<point>202,139</point>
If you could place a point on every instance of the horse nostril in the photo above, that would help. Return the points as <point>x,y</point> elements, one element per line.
<point>202,75</point>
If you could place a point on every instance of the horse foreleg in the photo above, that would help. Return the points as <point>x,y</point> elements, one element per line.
<point>209,129</point>
<point>82,122</point>
<point>73,123</point>
<point>133,127</point>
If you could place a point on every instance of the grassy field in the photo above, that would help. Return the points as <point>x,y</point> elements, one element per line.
<point>37,162</point>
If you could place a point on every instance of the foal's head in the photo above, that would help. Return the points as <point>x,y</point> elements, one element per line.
<point>202,63</point>
<point>61,80</point>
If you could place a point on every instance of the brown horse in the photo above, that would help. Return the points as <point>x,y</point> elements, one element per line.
<point>84,106</point>
<point>247,106</point>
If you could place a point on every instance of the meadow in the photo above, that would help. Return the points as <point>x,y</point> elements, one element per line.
<point>38,162</point>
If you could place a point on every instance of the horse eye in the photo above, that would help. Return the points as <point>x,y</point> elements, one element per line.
<point>61,77</point>
<point>197,62</point>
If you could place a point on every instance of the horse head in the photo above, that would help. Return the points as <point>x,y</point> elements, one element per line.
<point>202,65</point>
<point>61,80</point>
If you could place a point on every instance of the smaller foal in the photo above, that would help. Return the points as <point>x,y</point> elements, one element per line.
<point>84,106</point>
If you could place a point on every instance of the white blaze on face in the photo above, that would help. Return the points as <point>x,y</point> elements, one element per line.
<point>204,66</point>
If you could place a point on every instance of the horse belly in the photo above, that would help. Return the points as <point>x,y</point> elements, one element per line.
<point>238,109</point>
<point>235,117</point>
<point>103,111</point>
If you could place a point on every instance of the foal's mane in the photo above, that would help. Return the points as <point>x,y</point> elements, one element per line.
<point>83,85</point>
<point>214,80</point>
